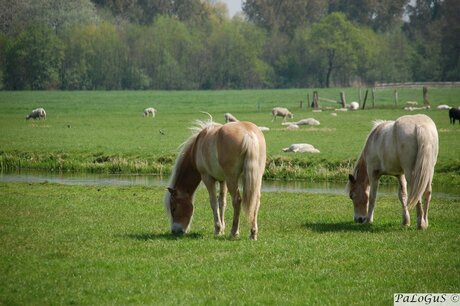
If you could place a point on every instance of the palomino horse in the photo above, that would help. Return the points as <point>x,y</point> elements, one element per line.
<point>218,153</point>
<point>406,148</point>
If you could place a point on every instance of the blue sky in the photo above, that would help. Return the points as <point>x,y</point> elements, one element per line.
<point>233,6</point>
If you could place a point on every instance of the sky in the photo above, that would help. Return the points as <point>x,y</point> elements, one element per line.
<point>233,6</point>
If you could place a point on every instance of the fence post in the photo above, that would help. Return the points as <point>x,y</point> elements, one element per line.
<point>365,98</point>
<point>425,96</point>
<point>308,100</point>
<point>343,99</point>
<point>396,97</point>
<point>373,97</point>
<point>314,104</point>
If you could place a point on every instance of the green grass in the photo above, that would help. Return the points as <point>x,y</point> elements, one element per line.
<point>105,131</point>
<point>110,245</point>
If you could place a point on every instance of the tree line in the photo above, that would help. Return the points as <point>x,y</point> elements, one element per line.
<point>194,44</point>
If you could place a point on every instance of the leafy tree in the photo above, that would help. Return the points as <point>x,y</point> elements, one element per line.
<point>33,59</point>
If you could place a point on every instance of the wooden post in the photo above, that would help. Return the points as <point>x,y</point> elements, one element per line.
<point>314,104</point>
<point>308,100</point>
<point>365,98</point>
<point>343,99</point>
<point>373,97</point>
<point>300,104</point>
<point>396,97</point>
<point>425,96</point>
<point>359,96</point>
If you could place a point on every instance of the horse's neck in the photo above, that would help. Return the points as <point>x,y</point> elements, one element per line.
<point>188,178</point>
<point>361,171</point>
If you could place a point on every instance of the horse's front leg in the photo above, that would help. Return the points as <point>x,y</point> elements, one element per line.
<point>210,184</point>
<point>222,203</point>
<point>403,198</point>
<point>372,197</point>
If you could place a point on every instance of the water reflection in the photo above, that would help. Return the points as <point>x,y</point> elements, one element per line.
<point>152,180</point>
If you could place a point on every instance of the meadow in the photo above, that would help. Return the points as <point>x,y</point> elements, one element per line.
<point>110,245</point>
<point>106,131</point>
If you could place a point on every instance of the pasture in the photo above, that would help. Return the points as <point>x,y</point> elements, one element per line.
<point>111,245</point>
<point>106,131</point>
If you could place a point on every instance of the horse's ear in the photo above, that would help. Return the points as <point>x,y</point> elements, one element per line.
<point>351,178</point>
<point>172,191</point>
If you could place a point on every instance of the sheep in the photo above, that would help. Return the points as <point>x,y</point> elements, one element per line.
<point>281,112</point>
<point>293,127</point>
<point>341,109</point>
<point>264,128</point>
<point>454,113</point>
<point>443,106</point>
<point>148,111</point>
<point>37,113</point>
<point>354,105</point>
<point>301,147</point>
<point>411,103</point>
<point>230,118</point>
<point>308,121</point>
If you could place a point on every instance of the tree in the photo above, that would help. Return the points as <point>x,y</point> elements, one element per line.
<point>33,59</point>
<point>334,44</point>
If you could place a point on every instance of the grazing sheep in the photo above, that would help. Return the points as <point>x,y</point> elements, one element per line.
<point>281,112</point>
<point>308,121</point>
<point>334,114</point>
<point>37,113</point>
<point>454,114</point>
<point>341,109</point>
<point>148,111</point>
<point>411,103</point>
<point>410,108</point>
<point>443,106</point>
<point>301,147</point>
<point>354,105</point>
<point>230,118</point>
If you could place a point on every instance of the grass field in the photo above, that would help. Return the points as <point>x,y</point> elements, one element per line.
<point>105,131</point>
<point>110,245</point>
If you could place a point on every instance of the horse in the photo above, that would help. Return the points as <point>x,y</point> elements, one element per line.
<point>406,148</point>
<point>223,154</point>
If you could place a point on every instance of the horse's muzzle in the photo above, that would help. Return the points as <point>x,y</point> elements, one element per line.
<point>360,219</point>
<point>177,229</point>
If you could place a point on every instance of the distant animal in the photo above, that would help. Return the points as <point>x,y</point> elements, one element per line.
<point>406,148</point>
<point>454,114</point>
<point>411,108</point>
<point>37,113</point>
<point>264,128</point>
<point>308,121</point>
<point>292,126</point>
<point>411,103</point>
<point>230,118</point>
<point>443,106</point>
<point>281,112</point>
<point>148,111</point>
<point>341,109</point>
<point>301,147</point>
<point>354,105</point>
<point>221,154</point>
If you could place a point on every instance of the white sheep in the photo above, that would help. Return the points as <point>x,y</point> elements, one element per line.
<point>293,127</point>
<point>443,106</point>
<point>308,121</point>
<point>411,103</point>
<point>37,113</point>
<point>281,112</point>
<point>354,105</point>
<point>264,128</point>
<point>301,147</point>
<point>230,118</point>
<point>148,111</point>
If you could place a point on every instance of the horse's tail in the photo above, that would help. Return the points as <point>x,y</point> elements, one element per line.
<point>425,161</point>
<point>254,165</point>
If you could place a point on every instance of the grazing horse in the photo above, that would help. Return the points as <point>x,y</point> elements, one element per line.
<point>223,154</point>
<point>406,148</point>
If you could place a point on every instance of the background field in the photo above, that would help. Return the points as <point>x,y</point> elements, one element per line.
<point>110,245</point>
<point>106,132</point>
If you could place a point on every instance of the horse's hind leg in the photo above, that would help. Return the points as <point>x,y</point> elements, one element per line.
<point>222,204</point>
<point>236,202</point>
<point>210,184</point>
<point>422,213</point>
<point>403,198</point>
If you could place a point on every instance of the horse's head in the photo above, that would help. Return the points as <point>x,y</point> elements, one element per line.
<point>359,194</point>
<point>179,207</point>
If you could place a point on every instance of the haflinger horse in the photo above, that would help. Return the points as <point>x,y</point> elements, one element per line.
<point>406,148</point>
<point>221,154</point>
